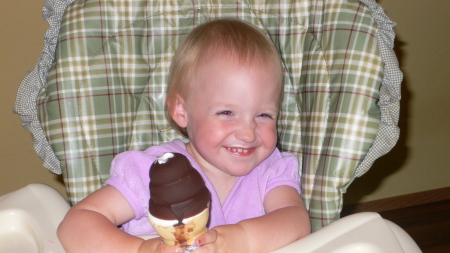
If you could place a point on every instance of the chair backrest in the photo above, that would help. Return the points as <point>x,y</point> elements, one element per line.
<point>100,85</point>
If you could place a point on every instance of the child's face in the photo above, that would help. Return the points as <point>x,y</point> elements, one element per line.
<point>231,115</point>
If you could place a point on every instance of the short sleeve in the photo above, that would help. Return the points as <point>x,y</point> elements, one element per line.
<point>130,176</point>
<point>282,171</point>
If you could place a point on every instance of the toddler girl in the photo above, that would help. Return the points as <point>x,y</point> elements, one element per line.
<point>224,94</point>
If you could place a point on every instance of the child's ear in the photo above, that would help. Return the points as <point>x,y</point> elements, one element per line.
<point>179,112</point>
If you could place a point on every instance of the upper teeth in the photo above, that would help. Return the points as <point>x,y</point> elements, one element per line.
<point>240,150</point>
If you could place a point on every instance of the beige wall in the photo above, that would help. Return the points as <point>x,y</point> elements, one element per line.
<point>419,162</point>
<point>22,32</point>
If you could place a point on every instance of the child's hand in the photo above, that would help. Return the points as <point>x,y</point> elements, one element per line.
<point>226,238</point>
<point>286,220</point>
<point>156,245</point>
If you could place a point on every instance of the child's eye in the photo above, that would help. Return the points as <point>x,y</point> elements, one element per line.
<point>266,115</point>
<point>226,113</point>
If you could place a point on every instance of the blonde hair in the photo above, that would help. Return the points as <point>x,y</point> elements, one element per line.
<point>238,39</point>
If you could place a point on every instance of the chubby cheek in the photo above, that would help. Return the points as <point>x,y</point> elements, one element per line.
<point>269,136</point>
<point>207,134</point>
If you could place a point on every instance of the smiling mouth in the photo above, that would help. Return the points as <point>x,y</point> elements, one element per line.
<point>240,151</point>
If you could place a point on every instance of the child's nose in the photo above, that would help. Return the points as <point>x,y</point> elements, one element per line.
<point>247,131</point>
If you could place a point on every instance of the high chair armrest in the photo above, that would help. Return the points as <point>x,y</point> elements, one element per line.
<point>29,218</point>
<point>362,232</point>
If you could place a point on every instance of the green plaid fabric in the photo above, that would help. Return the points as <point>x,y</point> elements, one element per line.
<point>105,88</point>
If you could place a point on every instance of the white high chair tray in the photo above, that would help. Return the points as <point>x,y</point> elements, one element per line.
<point>30,216</point>
<point>357,233</point>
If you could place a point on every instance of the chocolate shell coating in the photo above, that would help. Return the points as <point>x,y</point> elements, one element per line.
<point>177,190</point>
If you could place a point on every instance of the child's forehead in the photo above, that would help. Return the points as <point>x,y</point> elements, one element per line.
<point>210,58</point>
<point>218,68</point>
<point>227,60</point>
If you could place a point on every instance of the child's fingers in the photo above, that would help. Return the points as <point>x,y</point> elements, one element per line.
<point>208,237</point>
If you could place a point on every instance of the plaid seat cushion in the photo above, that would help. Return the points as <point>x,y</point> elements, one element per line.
<point>105,86</point>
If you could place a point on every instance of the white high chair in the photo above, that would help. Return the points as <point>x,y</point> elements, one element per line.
<point>98,90</point>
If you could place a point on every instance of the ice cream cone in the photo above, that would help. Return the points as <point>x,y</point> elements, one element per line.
<point>181,235</point>
<point>179,201</point>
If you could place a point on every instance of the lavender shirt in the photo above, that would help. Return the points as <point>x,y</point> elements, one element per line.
<point>130,176</point>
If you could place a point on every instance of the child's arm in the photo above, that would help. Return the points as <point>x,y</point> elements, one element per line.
<point>91,226</point>
<point>286,221</point>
